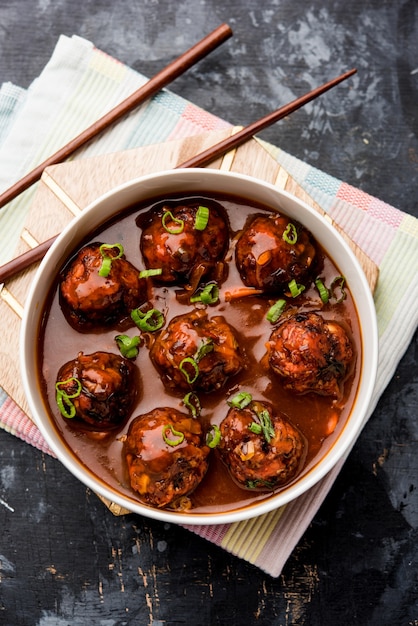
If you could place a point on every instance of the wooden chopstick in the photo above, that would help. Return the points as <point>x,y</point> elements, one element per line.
<point>241,136</point>
<point>172,71</point>
<point>32,256</point>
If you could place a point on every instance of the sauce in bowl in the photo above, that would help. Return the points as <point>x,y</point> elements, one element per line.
<point>317,417</point>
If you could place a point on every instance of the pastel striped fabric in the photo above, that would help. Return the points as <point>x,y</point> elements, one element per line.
<point>78,85</point>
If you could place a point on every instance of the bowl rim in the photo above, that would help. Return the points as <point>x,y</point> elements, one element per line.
<point>60,250</point>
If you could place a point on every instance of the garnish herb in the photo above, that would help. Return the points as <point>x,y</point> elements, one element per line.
<point>167,219</point>
<point>202,218</point>
<point>105,267</point>
<point>128,346</point>
<point>189,368</point>
<point>189,365</point>
<point>255,428</point>
<point>205,347</point>
<point>265,425</point>
<point>290,234</point>
<point>275,311</point>
<point>192,402</point>
<point>255,484</point>
<point>323,291</point>
<point>207,295</point>
<point>150,272</point>
<point>241,400</point>
<point>213,437</point>
<point>148,321</point>
<point>295,289</point>
<point>178,437</point>
<point>66,407</point>
<point>338,283</point>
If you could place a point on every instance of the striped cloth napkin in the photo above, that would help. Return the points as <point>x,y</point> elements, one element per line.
<point>80,84</point>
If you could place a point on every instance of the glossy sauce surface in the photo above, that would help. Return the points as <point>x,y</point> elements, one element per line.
<point>319,418</point>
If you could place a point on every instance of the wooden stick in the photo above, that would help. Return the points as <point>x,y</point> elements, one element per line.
<point>25,260</point>
<point>240,137</point>
<point>151,87</point>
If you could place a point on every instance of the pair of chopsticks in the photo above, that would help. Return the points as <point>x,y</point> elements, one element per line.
<point>155,84</point>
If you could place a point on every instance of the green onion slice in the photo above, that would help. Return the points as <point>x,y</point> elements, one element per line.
<point>295,289</point>
<point>176,440</point>
<point>190,369</point>
<point>66,407</point>
<point>338,283</point>
<point>150,272</point>
<point>128,346</point>
<point>202,218</point>
<point>323,291</point>
<point>205,347</point>
<point>266,425</point>
<point>213,437</point>
<point>241,400</point>
<point>192,402</point>
<point>208,295</point>
<point>275,311</point>
<point>255,428</point>
<point>168,218</point>
<point>148,321</point>
<point>290,234</point>
<point>105,267</point>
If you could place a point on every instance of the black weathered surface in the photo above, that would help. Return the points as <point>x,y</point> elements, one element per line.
<point>64,559</point>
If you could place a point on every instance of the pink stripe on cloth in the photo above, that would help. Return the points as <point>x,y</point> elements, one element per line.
<point>16,422</point>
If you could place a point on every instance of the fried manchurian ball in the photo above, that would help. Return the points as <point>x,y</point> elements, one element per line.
<point>89,299</point>
<point>260,447</point>
<point>174,239</point>
<point>195,352</point>
<point>166,457</point>
<point>272,251</point>
<point>310,353</point>
<point>102,387</point>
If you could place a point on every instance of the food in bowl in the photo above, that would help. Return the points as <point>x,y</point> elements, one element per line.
<point>234,344</point>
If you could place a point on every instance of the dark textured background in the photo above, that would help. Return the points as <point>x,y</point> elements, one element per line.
<point>64,559</point>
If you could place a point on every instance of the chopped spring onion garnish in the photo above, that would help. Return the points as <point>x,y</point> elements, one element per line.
<point>167,221</point>
<point>128,346</point>
<point>150,272</point>
<point>323,291</point>
<point>148,321</point>
<point>241,400</point>
<point>178,437</point>
<point>255,484</point>
<point>189,368</point>
<point>338,283</point>
<point>107,260</point>
<point>275,311</point>
<point>208,295</point>
<point>255,428</point>
<point>213,437</point>
<point>290,234</point>
<point>192,402</point>
<point>202,218</point>
<point>266,425</point>
<point>295,289</point>
<point>204,349</point>
<point>66,407</point>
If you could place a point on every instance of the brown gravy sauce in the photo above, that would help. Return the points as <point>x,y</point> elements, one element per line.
<point>101,454</point>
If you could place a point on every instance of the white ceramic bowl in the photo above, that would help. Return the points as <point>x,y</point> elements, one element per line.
<point>196,181</point>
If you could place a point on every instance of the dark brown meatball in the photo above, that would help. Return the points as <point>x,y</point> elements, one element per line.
<point>89,299</point>
<point>260,447</point>
<point>310,353</point>
<point>166,456</point>
<point>108,386</point>
<point>177,247</point>
<point>267,261</point>
<point>195,352</point>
